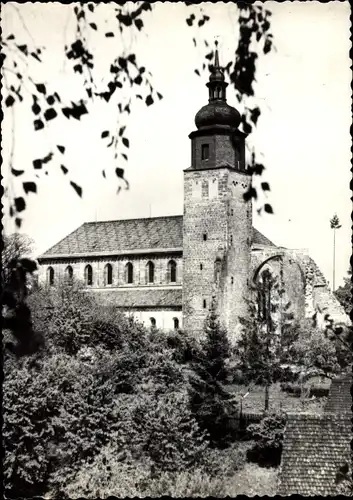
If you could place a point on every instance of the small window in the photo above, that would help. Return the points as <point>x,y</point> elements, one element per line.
<point>232,280</point>
<point>204,237</point>
<point>153,322</point>
<point>50,276</point>
<point>231,240</point>
<point>172,271</point>
<point>108,274</point>
<point>201,267</point>
<point>150,272</point>
<point>88,275</point>
<point>69,274</point>
<point>204,303</point>
<point>205,152</point>
<point>232,212</point>
<point>176,323</point>
<point>129,273</point>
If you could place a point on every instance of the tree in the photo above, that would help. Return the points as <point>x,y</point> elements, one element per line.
<point>264,341</point>
<point>334,224</point>
<point>344,293</point>
<point>16,270</point>
<point>211,403</point>
<point>21,58</point>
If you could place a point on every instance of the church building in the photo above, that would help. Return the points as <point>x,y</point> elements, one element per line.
<point>166,271</point>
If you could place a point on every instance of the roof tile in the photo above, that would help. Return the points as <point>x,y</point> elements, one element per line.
<point>127,235</point>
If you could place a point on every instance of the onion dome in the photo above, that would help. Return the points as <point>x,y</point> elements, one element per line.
<point>217,111</point>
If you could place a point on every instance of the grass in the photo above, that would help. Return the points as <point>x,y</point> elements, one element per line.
<point>279,400</point>
<point>253,480</point>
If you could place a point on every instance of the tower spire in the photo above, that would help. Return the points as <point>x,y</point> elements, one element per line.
<point>216,57</point>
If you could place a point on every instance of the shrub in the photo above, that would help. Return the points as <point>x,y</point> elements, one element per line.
<point>268,437</point>
<point>170,435</point>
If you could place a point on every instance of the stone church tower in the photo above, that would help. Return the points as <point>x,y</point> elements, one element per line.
<point>217,222</point>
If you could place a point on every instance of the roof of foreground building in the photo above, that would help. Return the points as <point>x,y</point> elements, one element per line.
<point>315,447</point>
<point>130,235</point>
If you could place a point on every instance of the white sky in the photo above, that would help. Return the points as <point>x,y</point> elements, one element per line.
<point>303,89</point>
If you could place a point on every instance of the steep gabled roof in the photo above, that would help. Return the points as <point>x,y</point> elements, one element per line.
<point>314,449</point>
<point>340,399</point>
<point>128,235</point>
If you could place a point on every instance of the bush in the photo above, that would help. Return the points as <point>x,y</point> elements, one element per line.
<point>123,477</point>
<point>170,435</point>
<point>268,437</point>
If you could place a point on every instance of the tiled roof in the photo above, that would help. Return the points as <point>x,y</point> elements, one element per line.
<point>127,299</point>
<point>340,399</point>
<point>128,235</point>
<point>314,448</point>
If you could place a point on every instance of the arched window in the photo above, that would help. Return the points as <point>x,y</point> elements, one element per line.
<point>172,271</point>
<point>204,303</point>
<point>153,322</point>
<point>108,274</point>
<point>264,297</point>
<point>176,323</point>
<point>88,275</point>
<point>129,273</point>
<point>150,272</point>
<point>69,273</point>
<point>50,276</point>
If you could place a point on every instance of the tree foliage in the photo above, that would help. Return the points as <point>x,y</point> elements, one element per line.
<point>268,437</point>
<point>267,333</point>
<point>21,59</point>
<point>81,394</point>
<point>344,293</point>
<point>211,402</point>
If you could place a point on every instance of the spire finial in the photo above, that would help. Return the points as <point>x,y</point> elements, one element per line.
<point>216,58</point>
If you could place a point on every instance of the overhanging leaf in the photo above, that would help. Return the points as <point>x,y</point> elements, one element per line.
<point>29,187</point>
<point>20,204</point>
<point>77,188</point>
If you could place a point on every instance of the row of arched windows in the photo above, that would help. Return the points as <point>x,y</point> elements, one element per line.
<point>108,273</point>
<point>175,323</point>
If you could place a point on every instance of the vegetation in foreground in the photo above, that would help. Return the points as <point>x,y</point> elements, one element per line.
<point>108,407</point>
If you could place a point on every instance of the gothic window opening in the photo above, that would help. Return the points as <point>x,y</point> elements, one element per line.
<point>176,323</point>
<point>264,298</point>
<point>231,240</point>
<point>153,322</point>
<point>88,275</point>
<point>50,276</point>
<point>129,273</point>
<point>204,237</point>
<point>69,274</point>
<point>172,271</point>
<point>232,280</point>
<point>204,303</point>
<point>150,272</point>
<point>201,267</point>
<point>205,151</point>
<point>108,274</point>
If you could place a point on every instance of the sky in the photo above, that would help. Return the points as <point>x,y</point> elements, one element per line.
<point>303,138</point>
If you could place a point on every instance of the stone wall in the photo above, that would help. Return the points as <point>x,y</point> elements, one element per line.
<point>140,276</point>
<point>216,221</point>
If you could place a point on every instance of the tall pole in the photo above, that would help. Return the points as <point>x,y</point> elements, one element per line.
<point>335,224</point>
<point>334,259</point>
